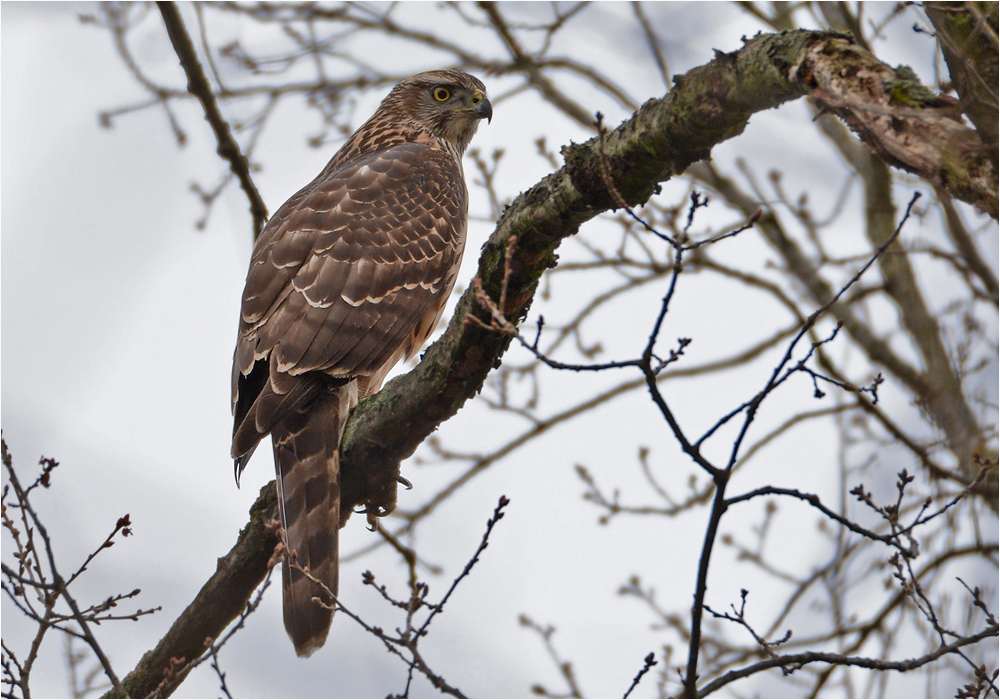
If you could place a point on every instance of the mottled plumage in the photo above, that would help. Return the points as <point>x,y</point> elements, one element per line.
<point>349,277</point>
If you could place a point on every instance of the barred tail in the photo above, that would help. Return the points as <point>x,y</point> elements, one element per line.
<point>308,476</point>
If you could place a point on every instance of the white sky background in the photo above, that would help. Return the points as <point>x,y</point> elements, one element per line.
<point>119,320</point>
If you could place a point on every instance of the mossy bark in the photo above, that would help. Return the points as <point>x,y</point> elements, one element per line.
<point>707,106</point>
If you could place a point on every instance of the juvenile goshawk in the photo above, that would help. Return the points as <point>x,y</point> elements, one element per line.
<point>349,277</point>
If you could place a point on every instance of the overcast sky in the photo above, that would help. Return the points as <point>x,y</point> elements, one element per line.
<point>118,324</point>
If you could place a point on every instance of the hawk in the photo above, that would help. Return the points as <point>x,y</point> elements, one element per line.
<point>349,277</point>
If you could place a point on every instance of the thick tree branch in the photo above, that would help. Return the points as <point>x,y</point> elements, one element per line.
<point>220,601</point>
<point>663,138</point>
<point>902,121</point>
<point>967,32</point>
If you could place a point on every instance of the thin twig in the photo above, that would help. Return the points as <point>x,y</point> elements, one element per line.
<point>647,665</point>
<point>199,86</point>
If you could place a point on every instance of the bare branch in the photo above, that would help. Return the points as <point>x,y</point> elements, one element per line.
<point>199,86</point>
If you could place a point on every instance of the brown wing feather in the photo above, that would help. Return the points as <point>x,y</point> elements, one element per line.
<point>408,239</point>
<point>349,267</point>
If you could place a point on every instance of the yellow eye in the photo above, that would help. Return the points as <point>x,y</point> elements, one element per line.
<point>441,94</point>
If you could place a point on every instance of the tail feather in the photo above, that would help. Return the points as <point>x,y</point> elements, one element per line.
<point>308,475</point>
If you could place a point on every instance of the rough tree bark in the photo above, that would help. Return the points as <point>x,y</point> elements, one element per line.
<point>967,32</point>
<point>707,106</point>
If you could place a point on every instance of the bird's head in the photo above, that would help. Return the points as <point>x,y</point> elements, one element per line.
<point>445,103</point>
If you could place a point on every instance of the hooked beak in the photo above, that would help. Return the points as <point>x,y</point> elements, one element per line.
<point>484,108</point>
